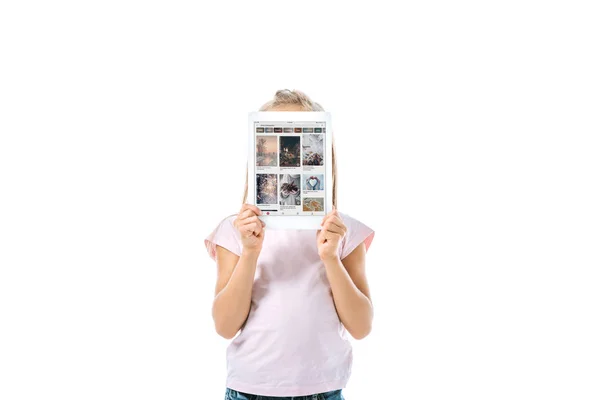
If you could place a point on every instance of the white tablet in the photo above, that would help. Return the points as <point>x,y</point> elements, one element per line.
<point>289,167</point>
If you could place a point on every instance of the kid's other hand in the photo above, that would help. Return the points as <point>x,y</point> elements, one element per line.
<point>250,227</point>
<point>330,235</point>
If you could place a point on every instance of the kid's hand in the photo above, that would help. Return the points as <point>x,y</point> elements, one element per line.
<point>250,227</point>
<point>330,235</point>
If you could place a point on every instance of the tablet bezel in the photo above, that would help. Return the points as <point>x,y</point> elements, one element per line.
<point>290,221</point>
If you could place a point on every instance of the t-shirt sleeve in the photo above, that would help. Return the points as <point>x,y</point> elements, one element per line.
<point>357,233</point>
<point>224,235</point>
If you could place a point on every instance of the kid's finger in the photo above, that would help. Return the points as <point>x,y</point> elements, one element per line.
<point>326,217</point>
<point>337,222</point>
<point>245,214</point>
<point>261,234</point>
<point>330,235</point>
<point>247,231</point>
<point>250,218</point>
<point>334,229</point>
<point>248,213</point>
<point>252,229</point>
<point>251,207</point>
<point>320,237</point>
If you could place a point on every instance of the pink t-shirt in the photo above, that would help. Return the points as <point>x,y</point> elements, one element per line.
<point>293,343</point>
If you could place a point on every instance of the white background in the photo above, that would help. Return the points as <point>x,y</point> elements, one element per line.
<point>467,135</point>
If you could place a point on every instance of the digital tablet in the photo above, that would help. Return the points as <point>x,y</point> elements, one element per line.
<point>289,167</point>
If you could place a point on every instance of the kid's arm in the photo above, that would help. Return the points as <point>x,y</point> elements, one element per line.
<point>350,289</point>
<point>233,292</point>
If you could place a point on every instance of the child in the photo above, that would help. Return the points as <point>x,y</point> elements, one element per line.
<point>292,294</point>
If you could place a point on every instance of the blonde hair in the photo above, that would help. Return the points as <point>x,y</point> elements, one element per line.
<point>294,97</point>
<point>285,97</point>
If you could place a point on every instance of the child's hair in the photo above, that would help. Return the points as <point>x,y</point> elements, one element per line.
<point>296,97</point>
<point>291,97</point>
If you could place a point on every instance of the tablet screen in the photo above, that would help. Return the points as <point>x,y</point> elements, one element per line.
<point>290,167</point>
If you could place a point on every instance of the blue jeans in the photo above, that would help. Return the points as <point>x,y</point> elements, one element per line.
<point>231,394</point>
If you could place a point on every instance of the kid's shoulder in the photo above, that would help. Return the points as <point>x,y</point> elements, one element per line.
<point>351,220</point>
<point>225,235</point>
<point>357,232</point>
